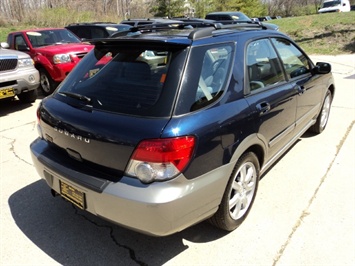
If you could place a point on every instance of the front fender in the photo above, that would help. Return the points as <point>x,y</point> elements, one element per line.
<point>42,61</point>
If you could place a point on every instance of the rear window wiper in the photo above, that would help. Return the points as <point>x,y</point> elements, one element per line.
<point>76,96</point>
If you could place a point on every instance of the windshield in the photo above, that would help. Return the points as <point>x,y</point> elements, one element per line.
<point>51,37</point>
<point>123,79</point>
<point>331,3</point>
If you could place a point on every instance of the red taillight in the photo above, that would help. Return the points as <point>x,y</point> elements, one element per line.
<point>161,159</point>
<point>39,130</point>
<point>177,151</point>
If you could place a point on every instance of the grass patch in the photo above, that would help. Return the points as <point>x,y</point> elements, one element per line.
<point>329,34</point>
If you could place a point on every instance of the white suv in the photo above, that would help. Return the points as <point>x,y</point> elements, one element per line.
<point>18,76</point>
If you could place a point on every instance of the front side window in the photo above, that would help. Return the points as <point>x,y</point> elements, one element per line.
<point>294,61</point>
<point>20,43</point>
<point>263,66</point>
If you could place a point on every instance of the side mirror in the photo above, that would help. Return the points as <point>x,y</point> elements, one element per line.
<point>322,68</point>
<point>5,45</point>
<point>23,48</point>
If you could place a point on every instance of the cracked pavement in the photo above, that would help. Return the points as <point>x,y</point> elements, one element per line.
<point>303,213</point>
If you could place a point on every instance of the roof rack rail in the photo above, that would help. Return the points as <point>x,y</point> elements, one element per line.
<point>242,24</point>
<point>91,23</point>
<point>208,29</point>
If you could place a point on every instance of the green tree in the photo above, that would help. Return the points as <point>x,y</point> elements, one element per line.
<point>168,8</point>
<point>202,7</point>
<point>252,8</point>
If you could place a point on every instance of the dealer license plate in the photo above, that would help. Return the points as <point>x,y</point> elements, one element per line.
<point>7,92</point>
<point>73,195</point>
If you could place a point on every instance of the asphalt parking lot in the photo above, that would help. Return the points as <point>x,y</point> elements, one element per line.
<point>303,213</point>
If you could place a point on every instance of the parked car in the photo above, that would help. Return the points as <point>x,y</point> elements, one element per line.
<point>160,148</point>
<point>148,21</point>
<point>266,18</point>
<point>197,22</point>
<point>55,52</point>
<point>231,17</point>
<point>18,76</point>
<point>96,30</point>
<point>329,6</point>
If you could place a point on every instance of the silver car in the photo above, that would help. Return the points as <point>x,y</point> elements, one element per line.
<point>18,76</point>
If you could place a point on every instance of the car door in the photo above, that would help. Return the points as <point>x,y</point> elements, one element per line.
<point>271,98</point>
<point>298,71</point>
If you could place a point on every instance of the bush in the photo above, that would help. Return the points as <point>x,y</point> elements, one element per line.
<point>305,10</point>
<point>57,17</point>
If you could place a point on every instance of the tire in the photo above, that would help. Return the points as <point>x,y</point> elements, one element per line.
<point>323,116</point>
<point>28,97</point>
<point>48,85</point>
<point>239,195</point>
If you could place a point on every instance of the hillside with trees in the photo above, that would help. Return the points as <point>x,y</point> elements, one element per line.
<point>61,12</point>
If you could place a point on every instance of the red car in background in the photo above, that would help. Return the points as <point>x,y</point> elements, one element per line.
<point>55,51</point>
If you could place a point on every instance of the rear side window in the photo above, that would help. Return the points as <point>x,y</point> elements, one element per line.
<point>97,32</point>
<point>263,66</point>
<point>294,61</point>
<point>207,75</point>
<point>218,17</point>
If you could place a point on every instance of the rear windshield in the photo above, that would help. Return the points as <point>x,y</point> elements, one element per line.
<point>125,79</point>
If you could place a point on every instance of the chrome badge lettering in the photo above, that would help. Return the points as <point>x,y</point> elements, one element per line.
<point>71,135</point>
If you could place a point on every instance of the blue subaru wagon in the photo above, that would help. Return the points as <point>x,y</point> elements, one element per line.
<point>159,128</point>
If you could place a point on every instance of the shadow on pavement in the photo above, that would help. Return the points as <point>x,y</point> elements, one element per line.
<point>74,237</point>
<point>12,106</point>
<point>8,106</point>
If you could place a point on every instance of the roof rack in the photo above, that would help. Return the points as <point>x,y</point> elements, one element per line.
<point>241,24</point>
<point>90,23</point>
<point>198,32</point>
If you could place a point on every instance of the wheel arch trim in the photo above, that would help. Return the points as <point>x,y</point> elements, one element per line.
<point>251,143</point>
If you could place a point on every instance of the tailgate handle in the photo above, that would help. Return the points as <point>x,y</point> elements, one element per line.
<point>74,154</point>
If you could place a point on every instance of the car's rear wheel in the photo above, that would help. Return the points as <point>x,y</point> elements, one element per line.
<point>323,116</point>
<point>48,85</point>
<point>240,193</point>
<point>28,97</point>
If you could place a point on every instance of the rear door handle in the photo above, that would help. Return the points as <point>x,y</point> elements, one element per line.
<point>263,108</point>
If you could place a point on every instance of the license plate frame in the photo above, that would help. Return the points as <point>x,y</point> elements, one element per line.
<point>72,194</point>
<point>7,92</point>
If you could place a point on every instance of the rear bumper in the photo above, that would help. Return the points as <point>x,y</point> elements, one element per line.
<point>159,209</point>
